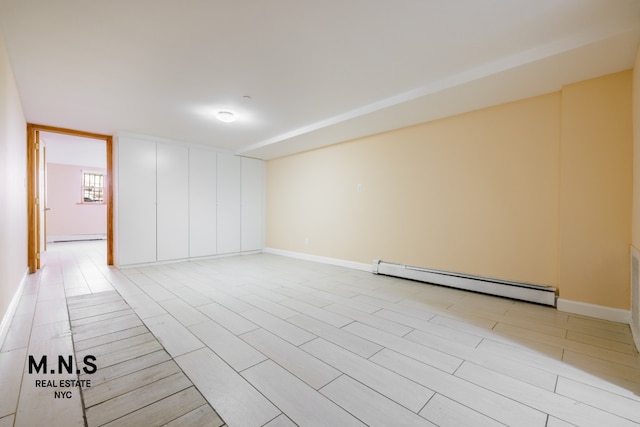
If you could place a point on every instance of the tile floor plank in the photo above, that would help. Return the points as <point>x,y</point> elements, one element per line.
<point>607,401</point>
<point>369,406</point>
<point>109,338</point>
<point>99,318</point>
<point>232,321</point>
<point>84,332</point>
<point>279,327</point>
<point>480,399</point>
<point>102,392</point>
<point>269,306</point>
<point>173,336</point>
<point>321,314</point>
<point>370,320</point>
<point>18,333</point>
<point>204,416</point>
<point>11,367</point>
<point>446,412</point>
<point>614,372</point>
<point>127,403</point>
<point>548,402</point>
<point>591,373</point>
<point>629,360</point>
<point>163,411</point>
<point>125,354</point>
<point>621,347</point>
<point>344,339</point>
<point>96,310</point>
<point>397,388</point>
<point>309,369</point>
<point>113,346</point>
<point>237,402</point>
<point>231,348</point>
<point>513,368</point>
<point>301,403</point>
<point>417,351</point>
<point>183,312</point>
<point>430,327</point>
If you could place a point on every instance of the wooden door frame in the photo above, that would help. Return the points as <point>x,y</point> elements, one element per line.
<point>33,196</point>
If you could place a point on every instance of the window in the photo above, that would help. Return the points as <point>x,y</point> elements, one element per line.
<point>92,187</point>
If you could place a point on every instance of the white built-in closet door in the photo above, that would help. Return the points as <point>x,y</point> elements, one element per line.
<point>252,204</point>
<point>202,202</point>
<point>136,201</point>
<point>173,202</point>
<point>228,218</point>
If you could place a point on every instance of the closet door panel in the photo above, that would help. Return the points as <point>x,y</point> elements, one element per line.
<point>173,202</point>
<point>136,201</point>
<point>252,215</point>
<point>202,202</point>
<point>228,218</point>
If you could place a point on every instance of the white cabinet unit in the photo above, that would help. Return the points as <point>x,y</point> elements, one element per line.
<point>252,211</point>
<point>173,202</point>
<point>177,202</point>
<point>202,202</point>
<point>228,212</point>
<point>136,201</point>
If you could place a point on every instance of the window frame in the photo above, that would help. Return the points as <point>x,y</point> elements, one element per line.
<point>101,189</point>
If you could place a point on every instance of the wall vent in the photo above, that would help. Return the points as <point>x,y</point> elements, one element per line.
<point>516,290</point>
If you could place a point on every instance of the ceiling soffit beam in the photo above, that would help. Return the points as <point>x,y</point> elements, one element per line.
<point>479,72</point>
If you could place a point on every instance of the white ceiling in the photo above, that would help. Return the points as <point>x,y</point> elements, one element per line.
<point>318,72</point>
<point>74,150</point>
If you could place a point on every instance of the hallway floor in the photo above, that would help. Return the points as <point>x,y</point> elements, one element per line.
<point>273,341</point>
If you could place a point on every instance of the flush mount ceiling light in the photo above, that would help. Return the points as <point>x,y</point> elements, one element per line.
<point>226,116</point>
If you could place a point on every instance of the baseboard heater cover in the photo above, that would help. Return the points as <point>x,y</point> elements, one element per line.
<point>539,294</point>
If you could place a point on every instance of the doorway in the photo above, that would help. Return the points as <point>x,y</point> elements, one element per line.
<point>36,190</point>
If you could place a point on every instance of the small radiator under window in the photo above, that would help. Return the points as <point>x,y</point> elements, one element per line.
<point>516,290</point>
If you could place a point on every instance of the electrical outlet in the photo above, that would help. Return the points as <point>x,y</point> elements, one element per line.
<point>306,241</point>
<point>359,188</point>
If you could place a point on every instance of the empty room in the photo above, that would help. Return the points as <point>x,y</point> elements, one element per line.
<point>305,213</point>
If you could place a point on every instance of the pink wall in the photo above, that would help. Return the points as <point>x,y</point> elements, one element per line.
<point>67,215</point>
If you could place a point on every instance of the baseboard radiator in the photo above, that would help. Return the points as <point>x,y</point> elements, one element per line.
<point>521,291</point>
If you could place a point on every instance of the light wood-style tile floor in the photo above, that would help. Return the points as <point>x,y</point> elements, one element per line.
<point>138,382</point>
<point>273,341</point>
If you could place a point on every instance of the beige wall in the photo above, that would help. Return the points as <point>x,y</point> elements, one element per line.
<point>636,153</point>
<point>13,195</point>
<point>477,193</point>
<point>596,191</point>
<point>635,221</point>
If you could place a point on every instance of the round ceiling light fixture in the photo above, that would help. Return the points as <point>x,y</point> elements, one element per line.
<point>226,116</point>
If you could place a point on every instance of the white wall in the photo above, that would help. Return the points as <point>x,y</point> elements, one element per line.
<point>75,150</point>
<point>13,188</point>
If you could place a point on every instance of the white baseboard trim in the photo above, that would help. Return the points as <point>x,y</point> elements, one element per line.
<point>597,311</point>
<point>193,259</point>
<point>321,259</point>
<point>11,309</point>
<point>635,331</point>
<point>75,237</point>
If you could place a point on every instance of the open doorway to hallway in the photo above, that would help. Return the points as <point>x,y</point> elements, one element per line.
<point>89,194</point>
<point>74,188</point>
